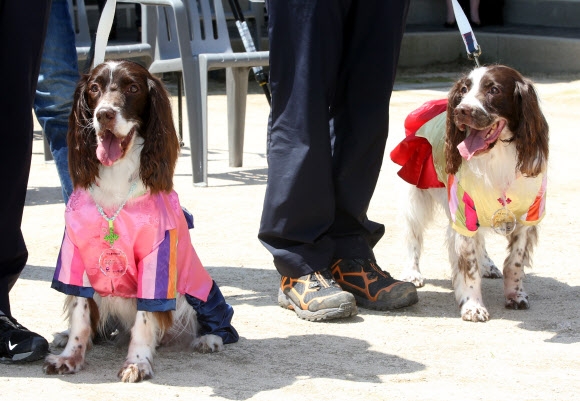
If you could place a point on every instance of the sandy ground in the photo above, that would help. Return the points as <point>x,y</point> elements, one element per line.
<point>425,352</point>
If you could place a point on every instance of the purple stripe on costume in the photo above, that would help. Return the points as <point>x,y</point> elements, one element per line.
<point>58,265</point>
<point>161,276</point>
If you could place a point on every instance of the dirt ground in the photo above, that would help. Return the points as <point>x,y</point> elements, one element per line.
<point>424,352</point>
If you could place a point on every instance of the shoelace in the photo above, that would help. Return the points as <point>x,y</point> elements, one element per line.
<point>315,282</point>
<point>377,271</point>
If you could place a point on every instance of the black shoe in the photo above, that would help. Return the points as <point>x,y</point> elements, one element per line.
<point>18,344</point>
<point>372,287</point>
<point>316,296</point>
<point>450,25</point>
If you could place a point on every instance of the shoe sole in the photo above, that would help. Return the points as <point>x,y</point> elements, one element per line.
<point>40,351</point>
<point>403,295</point>
<point>344,310</point>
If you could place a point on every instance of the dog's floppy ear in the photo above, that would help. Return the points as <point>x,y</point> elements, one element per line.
<point>161,147</point>
<point>82,143</point>
<point>531,135</point>
<point>453,135</point>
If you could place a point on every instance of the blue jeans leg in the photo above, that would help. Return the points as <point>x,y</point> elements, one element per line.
<point>56,84</point>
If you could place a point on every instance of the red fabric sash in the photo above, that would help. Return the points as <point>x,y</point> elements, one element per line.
<point>414,153</point>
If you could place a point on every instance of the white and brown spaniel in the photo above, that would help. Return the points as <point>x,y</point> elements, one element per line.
<point>482,155</point>
<point>126,261</point>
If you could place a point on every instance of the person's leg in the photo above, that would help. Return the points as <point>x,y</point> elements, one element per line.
<point>474,12</point>
<point>360,119</point>
<point>360,112</point>
<point>450,14</point>
<point>305,53</point>
<point>22,30</point>
<point>56,84</point>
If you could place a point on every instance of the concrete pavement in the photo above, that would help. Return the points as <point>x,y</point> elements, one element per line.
<point>422,352</point>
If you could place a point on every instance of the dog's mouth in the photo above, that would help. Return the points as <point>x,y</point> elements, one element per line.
<point>480,140</point>
<point>111,148</point>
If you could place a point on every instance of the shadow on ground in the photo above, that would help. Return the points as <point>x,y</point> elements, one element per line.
<point>436,300</point>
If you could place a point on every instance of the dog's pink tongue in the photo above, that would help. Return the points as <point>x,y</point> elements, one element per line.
<point>474,142</point>
<point>109,149</point>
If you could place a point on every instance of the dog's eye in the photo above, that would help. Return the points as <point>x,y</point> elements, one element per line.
<point>463,90</point>
<point>494,90</point>
<point>94,88</point>
<point>133,89</point>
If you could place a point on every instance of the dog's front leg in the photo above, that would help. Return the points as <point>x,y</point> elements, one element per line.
<point>138,365</point>
<point>488,267</point>
<point>418,214</point>
<point>521,244</point>
<point>464,258</point>
<point>72,358</point>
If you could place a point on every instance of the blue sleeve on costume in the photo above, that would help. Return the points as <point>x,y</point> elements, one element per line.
<point>215,315</point>
<point>188,217</point>
<point>156,305</point>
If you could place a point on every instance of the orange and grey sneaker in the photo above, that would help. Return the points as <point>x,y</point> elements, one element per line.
<point>372,287</point>
<point>316,296</point>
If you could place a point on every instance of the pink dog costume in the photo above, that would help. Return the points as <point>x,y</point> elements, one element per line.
<point>152,259</point>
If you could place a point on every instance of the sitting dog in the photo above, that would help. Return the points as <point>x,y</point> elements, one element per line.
<point>482,155</point>
<point>126,255</point>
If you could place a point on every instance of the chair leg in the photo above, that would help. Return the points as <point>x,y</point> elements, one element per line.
<point>237,91</point>
<point>47,153</point>
<point>193,78</point>
<point>196,125</point>
<point>180,108</point>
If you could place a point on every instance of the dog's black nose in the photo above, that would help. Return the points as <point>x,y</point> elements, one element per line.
<point>106,114</point>
<point>462,109</point>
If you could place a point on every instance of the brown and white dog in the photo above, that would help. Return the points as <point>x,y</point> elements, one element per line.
<point>482,156</point>
<point>127,256</point>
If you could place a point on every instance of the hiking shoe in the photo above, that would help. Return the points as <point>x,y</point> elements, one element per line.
<point>316,296</point>
<point>372,287</point>
<point>18,344</point>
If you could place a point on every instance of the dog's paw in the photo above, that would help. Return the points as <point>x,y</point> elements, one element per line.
<point>474,312</point>
<point>60,339</point>
<point>518,300</point>
<point>413,276</point>
<point>489,269</point>
<point>60,365</point>
<point>135,372</point>
<point>208,343</point>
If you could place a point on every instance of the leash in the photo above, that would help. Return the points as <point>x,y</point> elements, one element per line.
<point>473,49</point>
<point>248,42</point>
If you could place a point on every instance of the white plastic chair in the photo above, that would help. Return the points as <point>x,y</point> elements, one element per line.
<point>142,50</point>
<point>192,38</point>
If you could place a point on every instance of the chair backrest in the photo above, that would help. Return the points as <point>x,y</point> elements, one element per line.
<point>80,23</point>
<point>207,30</point>
<point>133,50</point>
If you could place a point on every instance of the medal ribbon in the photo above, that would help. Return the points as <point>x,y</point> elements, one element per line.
<point>111,237</point>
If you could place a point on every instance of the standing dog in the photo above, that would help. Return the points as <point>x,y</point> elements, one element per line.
<point>126,254</point>
<point>482,155</point>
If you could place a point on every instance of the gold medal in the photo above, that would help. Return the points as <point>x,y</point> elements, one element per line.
<point>503,221</point>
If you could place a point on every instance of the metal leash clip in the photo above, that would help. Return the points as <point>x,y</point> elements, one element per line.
<point>475,56</point>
